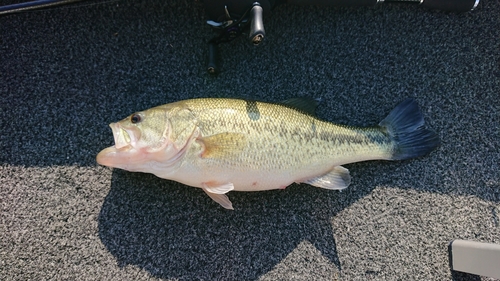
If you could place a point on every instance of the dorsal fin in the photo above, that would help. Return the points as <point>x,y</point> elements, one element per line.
<point>305,104</point>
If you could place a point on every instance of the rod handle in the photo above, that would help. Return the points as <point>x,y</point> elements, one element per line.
<point>257,31</point>
<point>213,58</point>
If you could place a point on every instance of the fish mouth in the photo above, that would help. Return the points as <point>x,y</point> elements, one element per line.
<point>123,139</point>
<point>122,151</point>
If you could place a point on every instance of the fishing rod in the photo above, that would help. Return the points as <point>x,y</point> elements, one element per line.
<point>32,5</point>
<point>230,18</point>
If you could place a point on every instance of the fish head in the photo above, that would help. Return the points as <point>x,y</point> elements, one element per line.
<point>140,138</point>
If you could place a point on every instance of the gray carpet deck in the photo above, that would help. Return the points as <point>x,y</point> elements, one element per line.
<point>67,72</point>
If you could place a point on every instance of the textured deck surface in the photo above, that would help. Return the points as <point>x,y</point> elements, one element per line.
<point>67,72</point>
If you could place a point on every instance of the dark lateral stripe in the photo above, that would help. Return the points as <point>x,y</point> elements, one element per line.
<point>252,110</point>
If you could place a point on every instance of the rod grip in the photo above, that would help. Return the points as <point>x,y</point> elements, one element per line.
<point>257,31</point>
<point>213,58</point>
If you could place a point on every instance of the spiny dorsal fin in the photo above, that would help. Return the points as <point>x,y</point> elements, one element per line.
<point>305,104</point>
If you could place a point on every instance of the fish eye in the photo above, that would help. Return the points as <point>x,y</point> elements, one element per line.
<point>135,118</point>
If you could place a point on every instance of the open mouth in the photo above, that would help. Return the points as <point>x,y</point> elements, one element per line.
<point>121,136</point>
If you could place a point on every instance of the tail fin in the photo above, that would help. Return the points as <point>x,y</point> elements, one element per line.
<point>405,125</point>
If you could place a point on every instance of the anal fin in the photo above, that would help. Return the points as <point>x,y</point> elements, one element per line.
<point>338,178</point>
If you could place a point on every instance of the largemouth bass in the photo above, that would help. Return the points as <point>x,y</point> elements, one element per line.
<point>221,145</point>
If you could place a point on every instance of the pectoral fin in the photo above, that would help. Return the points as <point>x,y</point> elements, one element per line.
<point>216,188</point>
<point>338,178</point>
<point>222,145</point>
<point>217,193</point>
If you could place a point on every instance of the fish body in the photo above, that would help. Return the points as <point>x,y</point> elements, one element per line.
<point>221,145</point>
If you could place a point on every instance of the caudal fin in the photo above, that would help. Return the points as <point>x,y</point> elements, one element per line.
<point>405,124</point>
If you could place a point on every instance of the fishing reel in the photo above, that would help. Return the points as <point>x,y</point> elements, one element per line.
<point>231,18</point>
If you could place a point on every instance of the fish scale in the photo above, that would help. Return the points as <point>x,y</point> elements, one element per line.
<point>290,128</point>
<point>221,145</point>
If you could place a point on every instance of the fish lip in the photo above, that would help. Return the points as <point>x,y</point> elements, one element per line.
<point>123,139</point>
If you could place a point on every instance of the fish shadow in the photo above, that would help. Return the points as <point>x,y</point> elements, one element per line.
<point>176,231</point>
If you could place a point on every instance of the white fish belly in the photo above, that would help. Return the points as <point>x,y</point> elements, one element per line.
<point>247,179</point>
